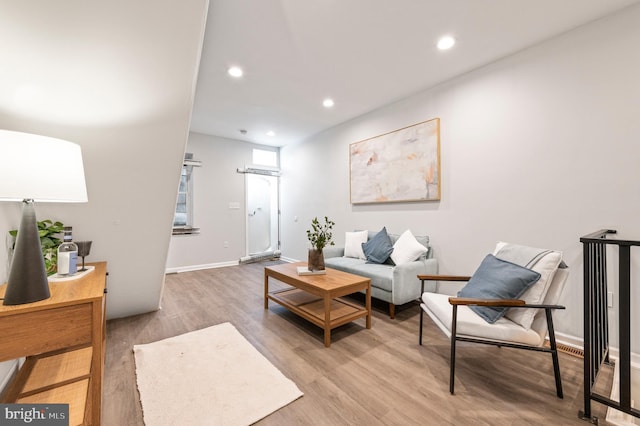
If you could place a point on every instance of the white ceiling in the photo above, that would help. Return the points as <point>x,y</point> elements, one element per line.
<point>362,53</point>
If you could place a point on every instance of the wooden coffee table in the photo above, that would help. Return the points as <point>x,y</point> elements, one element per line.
<point>316,297</point>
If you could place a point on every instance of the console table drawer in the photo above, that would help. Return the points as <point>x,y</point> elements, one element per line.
<point>45,331</point>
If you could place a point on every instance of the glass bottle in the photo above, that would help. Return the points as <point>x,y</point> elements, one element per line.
<point>67,254</point>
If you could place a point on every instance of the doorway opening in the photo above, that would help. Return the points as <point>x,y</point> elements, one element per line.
<point>263,214</point>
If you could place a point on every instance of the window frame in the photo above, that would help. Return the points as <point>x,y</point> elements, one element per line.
<point>187,192</point>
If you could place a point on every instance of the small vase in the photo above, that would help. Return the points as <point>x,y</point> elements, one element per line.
<point>316,260</point>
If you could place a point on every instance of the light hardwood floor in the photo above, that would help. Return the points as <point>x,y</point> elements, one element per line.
<point>367,377</point>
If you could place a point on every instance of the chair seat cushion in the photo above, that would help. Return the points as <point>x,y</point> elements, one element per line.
<point>437,306</point>
<point>381,275</point>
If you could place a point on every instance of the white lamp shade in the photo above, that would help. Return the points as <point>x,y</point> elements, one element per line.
<point>40,168</point>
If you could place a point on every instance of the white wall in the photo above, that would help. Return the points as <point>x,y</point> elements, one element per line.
<point>539,148</point>
<point>216,184</point>
<point>117,78</point>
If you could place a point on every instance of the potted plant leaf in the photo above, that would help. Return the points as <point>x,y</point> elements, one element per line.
<point>319,236</point>
<point>49,241</point>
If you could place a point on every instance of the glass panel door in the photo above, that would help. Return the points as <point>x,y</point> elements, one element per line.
<point>262,214</point>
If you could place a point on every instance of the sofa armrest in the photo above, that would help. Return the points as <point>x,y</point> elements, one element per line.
<point>333,252</point>
<point>406,286</point>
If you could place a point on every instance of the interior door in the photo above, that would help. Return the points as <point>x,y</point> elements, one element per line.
<point>262,214</point>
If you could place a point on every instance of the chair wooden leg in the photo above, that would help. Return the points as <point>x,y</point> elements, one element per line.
<point>421,316</point>
<point>453,349</point>
<point>392,310</point>
<point>554,353</point>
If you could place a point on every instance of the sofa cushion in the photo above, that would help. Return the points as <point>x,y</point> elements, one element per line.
<point>379,248</point>
<point>497,279</point>
<point>407,249</point>
<point>353,244</point>
<point>381,275</point>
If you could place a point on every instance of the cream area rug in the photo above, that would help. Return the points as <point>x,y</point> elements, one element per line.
<point>212,376</point>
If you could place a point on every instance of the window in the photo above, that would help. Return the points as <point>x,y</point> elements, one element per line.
<point>183,212</point>
<point>183,218</point>
<point>265,158</point>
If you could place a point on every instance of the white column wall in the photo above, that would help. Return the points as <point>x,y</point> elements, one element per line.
<point>118,78</point>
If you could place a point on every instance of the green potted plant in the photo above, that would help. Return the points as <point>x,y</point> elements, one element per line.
<point>319,236</point>
<point>49,241</point>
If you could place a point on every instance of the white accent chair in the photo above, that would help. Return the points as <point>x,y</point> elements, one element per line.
<point>460,323</point>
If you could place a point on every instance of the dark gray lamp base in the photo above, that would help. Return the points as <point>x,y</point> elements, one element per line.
<point>27,277</point>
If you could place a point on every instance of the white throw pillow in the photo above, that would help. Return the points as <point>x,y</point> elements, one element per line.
<point>546,267</point>
<point>407,249</point>
<point>353,244</point>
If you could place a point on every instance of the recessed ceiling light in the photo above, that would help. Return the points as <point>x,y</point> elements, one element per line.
<point>235,72</point>
<point>271,133</point>
<point>446,42</point>
<point>328,103</point>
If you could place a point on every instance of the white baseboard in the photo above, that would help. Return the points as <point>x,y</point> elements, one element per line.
<point>179,269</point>
<point>190,268</point>
<point>577,342</point>
<point>569,340</point>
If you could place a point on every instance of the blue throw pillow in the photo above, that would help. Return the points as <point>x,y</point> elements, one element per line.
<point>497,279</point>
<point>379,248</point>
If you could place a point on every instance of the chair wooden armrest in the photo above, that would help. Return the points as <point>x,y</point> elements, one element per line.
<point>423,278</point>
<point>486,302</point>
<point>500,303</point>
<point>443,278</point>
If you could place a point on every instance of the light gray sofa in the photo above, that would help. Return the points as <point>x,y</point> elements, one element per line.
<point>396,285</point>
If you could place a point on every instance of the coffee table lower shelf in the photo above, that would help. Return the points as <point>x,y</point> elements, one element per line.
<point>312,308</point>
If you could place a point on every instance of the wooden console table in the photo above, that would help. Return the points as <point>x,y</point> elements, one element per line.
<point>63,338</point>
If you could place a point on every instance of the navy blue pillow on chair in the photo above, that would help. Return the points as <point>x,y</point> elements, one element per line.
<point>379,248</point>
<point>497,279</point>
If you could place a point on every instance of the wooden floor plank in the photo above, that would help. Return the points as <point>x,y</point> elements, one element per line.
<point>379,376</point>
